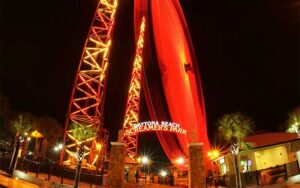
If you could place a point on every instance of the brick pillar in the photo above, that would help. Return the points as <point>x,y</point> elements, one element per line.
<point>196,166</point>
<point>116,177</point>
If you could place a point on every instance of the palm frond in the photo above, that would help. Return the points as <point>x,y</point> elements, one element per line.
<point>246,145</point>
<point>293,121</point>
<point>235,125</point>
<point>22,125</point>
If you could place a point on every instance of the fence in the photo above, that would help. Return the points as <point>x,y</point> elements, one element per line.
<point>262,177</point>
<point>53,169</point>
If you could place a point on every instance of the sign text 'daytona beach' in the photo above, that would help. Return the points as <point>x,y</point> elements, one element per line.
<point>156,126</point>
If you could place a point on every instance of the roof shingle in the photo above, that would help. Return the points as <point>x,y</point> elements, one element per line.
<point>268,139</point>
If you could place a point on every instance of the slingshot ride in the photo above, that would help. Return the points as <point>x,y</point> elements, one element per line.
<point>176,104</point>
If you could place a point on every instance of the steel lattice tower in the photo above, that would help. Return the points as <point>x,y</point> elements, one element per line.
<point>87,99</point>
<point>133,101</point>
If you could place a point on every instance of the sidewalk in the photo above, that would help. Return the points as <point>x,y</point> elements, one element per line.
<point>135,185</point>
<point>6,181</point>
<point>30,181</point>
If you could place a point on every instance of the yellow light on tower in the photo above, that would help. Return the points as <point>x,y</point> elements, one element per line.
<point>139,160</point>
<point>98,146</point>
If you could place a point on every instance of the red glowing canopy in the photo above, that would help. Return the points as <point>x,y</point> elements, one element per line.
<point>180,86</point>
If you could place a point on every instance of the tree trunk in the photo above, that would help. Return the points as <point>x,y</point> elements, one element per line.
<point>79,162</point>
<point>13,162</point>
<point>77,175</point>
<point>238,180</point>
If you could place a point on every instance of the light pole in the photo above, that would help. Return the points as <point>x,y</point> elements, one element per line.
<point>213,154</point>
<point>180,163</point>
<point>180,160</point>
<point>57,149</point>
<point>163,174</point>
<point>145,161</point>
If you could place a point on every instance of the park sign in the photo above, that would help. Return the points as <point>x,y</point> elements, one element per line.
<point>163,126</point>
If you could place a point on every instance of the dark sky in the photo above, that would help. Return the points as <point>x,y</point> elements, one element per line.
<point>248,54</point>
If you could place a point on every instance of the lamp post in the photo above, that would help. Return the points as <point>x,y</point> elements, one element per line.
<point>213,154</point>
<point>180,163</point>
<point>57,149</point>
<point>163,174</point>
<point>145,161</point>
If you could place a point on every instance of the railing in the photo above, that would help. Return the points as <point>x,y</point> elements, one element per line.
<point>51,169</point>
<point>262,177</point>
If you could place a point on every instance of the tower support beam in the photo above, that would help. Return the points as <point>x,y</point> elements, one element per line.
<point>87,98</point>
<point>133,101</point>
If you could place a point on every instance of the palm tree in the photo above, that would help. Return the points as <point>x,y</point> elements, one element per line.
<point>22,127</point>
<point>293,121</point>
<point>234,128</point>
<point>81,133</point>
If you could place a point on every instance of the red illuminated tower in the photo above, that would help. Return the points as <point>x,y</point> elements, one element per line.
<point>87,100</point>
<point>133,101</point>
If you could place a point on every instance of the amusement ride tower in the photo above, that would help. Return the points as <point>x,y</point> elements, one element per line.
<point>175,62</point>
<point>87,99</point>
<point>133,101</point>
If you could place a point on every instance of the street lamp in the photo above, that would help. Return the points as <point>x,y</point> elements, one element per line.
<point>163,174</point>
<point>57,149</point>
<point>60,146</point>
<point>180,160</point>
<point>145,161</point>
<point>213,154</point>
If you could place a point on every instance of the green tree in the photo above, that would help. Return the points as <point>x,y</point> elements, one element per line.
<point>293,121</point>
<point>234,128</point>
<point>22,126</point>
<point>82,133</point>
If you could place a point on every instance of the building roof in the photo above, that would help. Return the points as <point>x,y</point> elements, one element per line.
<point>269,139</point>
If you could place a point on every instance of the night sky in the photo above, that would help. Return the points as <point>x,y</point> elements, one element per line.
<point>248,55</point>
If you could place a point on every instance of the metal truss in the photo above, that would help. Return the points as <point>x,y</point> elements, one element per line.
<point>87,100</point>
<point>133,101</point>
